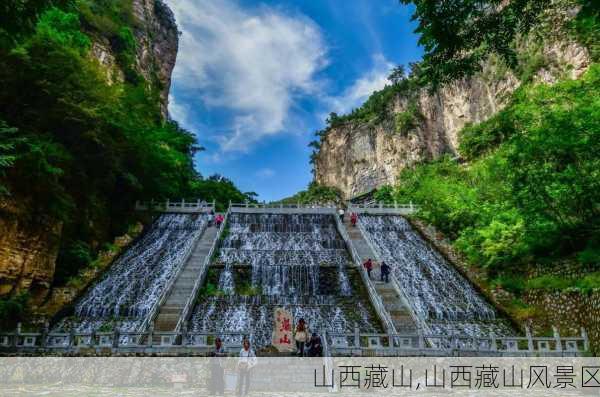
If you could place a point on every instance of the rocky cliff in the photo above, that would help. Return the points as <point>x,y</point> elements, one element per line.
<point>157,40</point>
<point>357,157</point>
<point>29,244</point>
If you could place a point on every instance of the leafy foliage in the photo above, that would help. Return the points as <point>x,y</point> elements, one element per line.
<point>13,310</point>
<point>586,27</point>
<point>315,194</point>
<point>409,119</point>
<point>532,187</point>
<point>457,35</point>
<point>81,149</point>
<point>222,190</point>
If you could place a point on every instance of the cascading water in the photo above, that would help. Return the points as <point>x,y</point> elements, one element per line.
<point>443,301</point>
<point>131,288</point>
<point>295,261</point>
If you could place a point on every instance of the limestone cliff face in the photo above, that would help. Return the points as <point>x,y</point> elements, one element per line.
<point>359,157</point>
<point>29,245</point>
<point>157,41</point>
<point>28,250</point>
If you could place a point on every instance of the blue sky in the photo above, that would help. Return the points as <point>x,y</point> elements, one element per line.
<point>255,79</point>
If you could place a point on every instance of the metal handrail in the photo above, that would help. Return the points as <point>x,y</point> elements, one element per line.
<point>200,278</point>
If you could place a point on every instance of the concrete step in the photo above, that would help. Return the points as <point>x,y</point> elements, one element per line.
<point>392,302</point>
<point>181,290</point>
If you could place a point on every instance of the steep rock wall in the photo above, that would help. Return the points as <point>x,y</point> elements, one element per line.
<point>359,157</point>
<point>157,43</point>
<point>28,250</point>
<point>29,244</point>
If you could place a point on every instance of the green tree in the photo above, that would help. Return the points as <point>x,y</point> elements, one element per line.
<point>397,74</point>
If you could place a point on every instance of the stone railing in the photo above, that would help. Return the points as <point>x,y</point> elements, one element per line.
<point>200,279</point>
<point>180,206</point>
<point>282,208</point>
<point>453,345</point>
<point>373,295</point>
<point>381,208</point>
<point>363,344</point>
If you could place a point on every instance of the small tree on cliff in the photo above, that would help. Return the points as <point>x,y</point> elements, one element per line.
<point>397,74</point>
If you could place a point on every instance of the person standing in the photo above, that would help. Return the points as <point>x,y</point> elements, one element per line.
<point>341,214</point>
<point>354,219</point>
<point>217,384</point>
<point>246,362</point>
<point>369,266</point>
<point>315,346</point>
<point>301,336</point>
<point>385,272</point>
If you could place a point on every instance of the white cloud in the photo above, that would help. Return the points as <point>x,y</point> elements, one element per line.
<point>265,173</point>
<point>179,112</point>
<point>254,63</point>
<point>356,94</point>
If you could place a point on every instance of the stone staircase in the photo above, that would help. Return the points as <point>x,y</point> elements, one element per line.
<point>170,311</point>
<point>392,301</point>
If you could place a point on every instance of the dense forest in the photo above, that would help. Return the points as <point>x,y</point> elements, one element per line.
<point>78,148</point>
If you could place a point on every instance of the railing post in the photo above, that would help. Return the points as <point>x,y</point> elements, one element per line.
<point>215,204</point>
<point>182,204</point>
<point>421,340</point>
<point>586,341</point>
<point>72,337</point>
<point>356,336</point>
<point>494,346</point>
<point>45,330</point>
<point>198,205</point>
<point>390,341</point>
<point>530,346</point>
<point>151,335</point>
<point>184,331</point>
<point>557,339</point>
<point>167,204</point>
<point>116,336</point>
<point>17,334</point>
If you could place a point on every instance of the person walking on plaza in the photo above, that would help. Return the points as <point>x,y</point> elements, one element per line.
<point>246,362</point>
<point>385,272</point>
<point>354,219</point>
<point>217,384</point>
<point>218,220</point>
<point>369,266</point>
<point>301,336</point>
<point>341,214</point>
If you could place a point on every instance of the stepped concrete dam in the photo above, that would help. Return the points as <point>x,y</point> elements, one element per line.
<point>188,280</point>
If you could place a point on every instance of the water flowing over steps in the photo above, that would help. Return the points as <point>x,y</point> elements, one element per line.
<point>172,308</point>
<point>392,301</point>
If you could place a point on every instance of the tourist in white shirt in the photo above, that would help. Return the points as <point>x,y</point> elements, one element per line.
<point>246,362</point>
